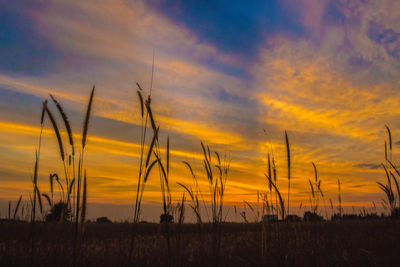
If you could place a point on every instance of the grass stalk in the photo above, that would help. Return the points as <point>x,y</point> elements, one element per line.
<point>288,167</point>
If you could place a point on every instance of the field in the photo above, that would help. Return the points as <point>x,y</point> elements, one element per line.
<point>352,243</point>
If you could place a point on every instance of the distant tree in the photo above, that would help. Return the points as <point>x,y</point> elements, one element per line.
<point>395,213</point>
<point>166,218</point>
<point>103,220</point>
<point>293,218</point>
<point>336,217</point>
<point>312,217</point>
<point>59,213</point>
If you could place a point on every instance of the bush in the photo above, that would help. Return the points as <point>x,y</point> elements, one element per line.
<point>103,220</point>
<point>293,218</point>
<point>312,217</point>
<point>395,213</point>
<point>59,213</point>
<point>166,218</point>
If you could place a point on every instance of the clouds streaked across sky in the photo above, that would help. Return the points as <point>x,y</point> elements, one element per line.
<point>325,71</point>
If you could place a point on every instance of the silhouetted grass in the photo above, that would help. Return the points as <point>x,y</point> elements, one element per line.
<point>363,239</point>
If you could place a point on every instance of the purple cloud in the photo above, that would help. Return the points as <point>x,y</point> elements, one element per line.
<point>359,62</point>
<point>386,37</point>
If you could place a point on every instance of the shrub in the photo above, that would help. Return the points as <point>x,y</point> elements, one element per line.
<point>59,213</point>
<point>103,220</point>
<point>312,217</point>
<point>166,218</point>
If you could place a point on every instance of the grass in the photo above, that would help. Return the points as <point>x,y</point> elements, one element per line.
<point>66,189</point>
<point>216,184</point>
<point>391,172</point>
<point>340,200</point>
<point>288,170</point>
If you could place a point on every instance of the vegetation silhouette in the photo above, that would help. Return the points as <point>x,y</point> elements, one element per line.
<point>59,212</point>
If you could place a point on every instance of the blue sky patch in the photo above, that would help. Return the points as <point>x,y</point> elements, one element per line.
<point>233,28</point>
<point>22,49</point>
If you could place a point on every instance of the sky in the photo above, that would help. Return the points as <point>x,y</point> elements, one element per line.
<point>327,72</point>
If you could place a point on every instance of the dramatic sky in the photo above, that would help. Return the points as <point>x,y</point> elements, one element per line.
<point>326,71</point>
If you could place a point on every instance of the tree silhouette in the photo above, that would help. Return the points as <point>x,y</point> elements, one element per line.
<point>166,218</point>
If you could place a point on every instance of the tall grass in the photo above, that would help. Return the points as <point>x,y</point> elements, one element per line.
<point>272,182</point>
<point>165,190</point>
<point>196,196</point>
<point>217,190</point>
<point>14,217</point>
<point>269,181</point>
<point>339,199</point>
<point>36,193</point>
<point>281,200</point>
<point>146,164</point>
<point>390,171</point>
<point>70,176</point>
<point>195,206</point>
<point>288,169</point>
<point>163,170</point>
<point>68,190</point>
<point>217,175</point>
<point>313,204</point>
<point>271,172</point>
<point>316,189</point>
<point>180,210</point>
<point>256,215</point>
<point>271,176</point>
<point>71,159</point>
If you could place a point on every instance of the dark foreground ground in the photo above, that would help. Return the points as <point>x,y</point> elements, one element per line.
<point>355,243</point>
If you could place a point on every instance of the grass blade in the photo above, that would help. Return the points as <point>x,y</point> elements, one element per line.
<point>146,176</point>
<point>288,166</point>
<point>84,201</point>
<point>141,103</point>
<point>17,207</point>
<point>87,118</point>
<point>48,199</point>
<point>66,123</point>
<point>57,132</point>
<point>153,141</point>
<point>389,136</point>
<point>190,168</point>
<point>168,155</point>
